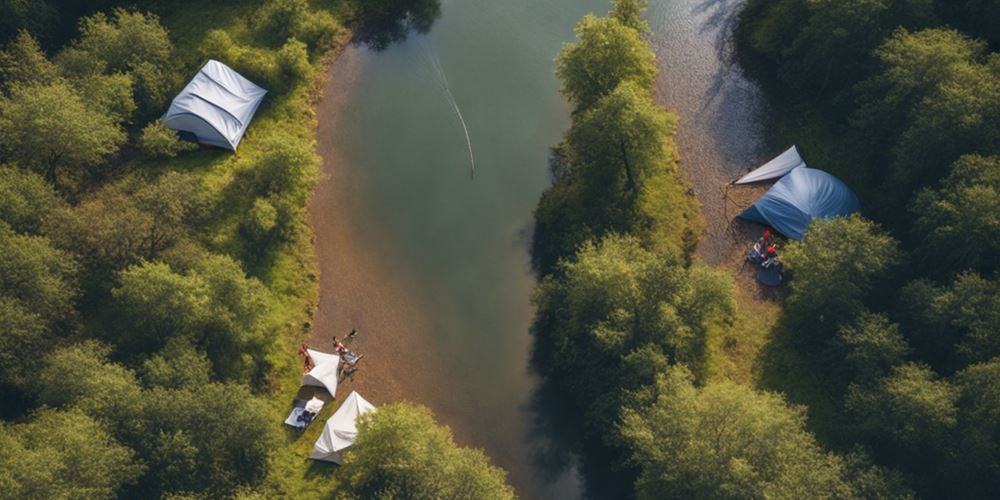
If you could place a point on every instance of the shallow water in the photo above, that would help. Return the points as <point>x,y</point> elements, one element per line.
<point>431,265</point>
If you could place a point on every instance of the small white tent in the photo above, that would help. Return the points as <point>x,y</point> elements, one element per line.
<point>775,168</point>
<point>341,429</point>
<point>324,373</point>
<point>216,106</point>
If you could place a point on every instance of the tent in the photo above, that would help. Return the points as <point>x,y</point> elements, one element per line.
<point>800,196</point>
<point>341,430</point>
<point>775,168</point>
<point>324,373</point>
<point>216,106</point>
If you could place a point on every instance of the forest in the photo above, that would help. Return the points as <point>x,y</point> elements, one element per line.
<point>151,295</point>
<point>880,376</point>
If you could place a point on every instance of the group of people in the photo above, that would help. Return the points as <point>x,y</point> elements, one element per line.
<point>348,358</point>
<point>765,255</point>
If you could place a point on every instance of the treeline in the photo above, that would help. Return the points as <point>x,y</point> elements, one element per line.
<point>623,313</point>
<point>150,294</point>
<point>898,326</point>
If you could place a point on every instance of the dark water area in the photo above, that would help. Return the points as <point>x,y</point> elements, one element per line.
<point>431,264</point>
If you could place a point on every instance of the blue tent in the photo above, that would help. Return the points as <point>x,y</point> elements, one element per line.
<point>799,197</point>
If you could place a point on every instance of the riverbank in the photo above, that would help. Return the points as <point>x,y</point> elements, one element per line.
<point>724,130</point>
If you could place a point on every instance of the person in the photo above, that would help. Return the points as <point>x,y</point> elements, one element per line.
<point>349,364</point>
<point>771,256</point>
<point>339,347</point>
<point>307,362</point>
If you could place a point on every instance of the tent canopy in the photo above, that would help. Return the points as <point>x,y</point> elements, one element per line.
<point>216,106</point>
<point>800,196</point>
<point>324,373</point>
<point>779,166</point>
<point>341,429</point>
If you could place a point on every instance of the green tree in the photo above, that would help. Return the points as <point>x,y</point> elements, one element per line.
<point>977,470</point>
<point>22,62</point>
<point>616,307</point>
<point>402,452</point>
<point>132,43</point>
<point>40,277</point>
<point>631,13</point>
<point>176,366</point>
<point>911,407</point>
<point>213,305</point>
<point>66,135</point>
<point>606,54</point>
<point>63,454</point>
<point>23,334</point>
<point>959,223</point>
<point>26,199</point>
<point>954,325</point>
<point>157,140</point>
<point>725,441</point>
<point>872,345</point>
<point>833,270</point>
<point>81,376</point>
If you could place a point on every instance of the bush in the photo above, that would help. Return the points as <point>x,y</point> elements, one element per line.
<point>159,141</point>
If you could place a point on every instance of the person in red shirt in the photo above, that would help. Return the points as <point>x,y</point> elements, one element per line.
<point>339,347</point>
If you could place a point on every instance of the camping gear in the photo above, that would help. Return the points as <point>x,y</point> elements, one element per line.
<point>216,106</point>
<point>303,412</point>
<point>802,195</point>
<point>771,275</point>
<point>341,429</point>
<point>775,168</point>
<point>324,373</point>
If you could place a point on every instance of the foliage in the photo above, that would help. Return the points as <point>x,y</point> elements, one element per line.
<point>833,270</point>
<point>63,454</point>
<point>726,441</point>
<point>871,346</point>
<point>26,199</point>
<point>607,315</point>
<point>157,141</point>
<point>213,305</point>
<point>38,276</point>
<point>959,223</point>
<point>49,127</point>
<point>606,54</point>
<point>380,23</point>
<point>402,452</point>
<point>279,20</point>
<point>22,62</point>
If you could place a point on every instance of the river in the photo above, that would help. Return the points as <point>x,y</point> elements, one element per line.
<point>430,263</point>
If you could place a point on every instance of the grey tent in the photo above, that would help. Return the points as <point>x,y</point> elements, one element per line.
<point>215,107</point>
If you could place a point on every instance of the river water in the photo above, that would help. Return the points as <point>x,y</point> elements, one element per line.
<point>429,263</point>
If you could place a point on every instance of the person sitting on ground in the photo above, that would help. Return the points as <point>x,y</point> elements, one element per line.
<point>771,256</point>
<point>339,347</point>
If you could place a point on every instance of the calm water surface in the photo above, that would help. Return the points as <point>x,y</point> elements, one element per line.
<point>432,265</point>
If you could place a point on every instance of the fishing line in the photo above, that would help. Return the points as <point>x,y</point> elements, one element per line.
<point>442,80</point>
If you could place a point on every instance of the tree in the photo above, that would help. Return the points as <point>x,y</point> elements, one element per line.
<point>977,470</point>
<point>130,43</point>
<point>830,279</point>
<point>38,276</point>
<point>26,199</point>
<point>606,54</point>
<point>159,141</point>
<point>22,335</point>
<point>959,223</point>
<point>22,62</point>
<point>911,407</point>
<point>725,441</point>
<point>63,454</point>
<point>872,346</point>
<point>954,325</point>
<point>384,22</point>
<point>81,376</point>
<point>402,452</point>
<point>213,306</point>
<point>616,307</point>
<point>631,13</point>
<point>48,127</point>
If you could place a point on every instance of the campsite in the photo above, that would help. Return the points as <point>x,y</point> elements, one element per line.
<point>553,249</point>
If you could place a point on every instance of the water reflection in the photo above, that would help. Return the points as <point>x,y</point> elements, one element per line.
<point>385,22</point>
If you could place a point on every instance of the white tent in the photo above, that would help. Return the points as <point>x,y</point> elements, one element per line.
<point>341,429</point>
<point>775,168</point>
<point>324,373</point>
<point>216,106</point>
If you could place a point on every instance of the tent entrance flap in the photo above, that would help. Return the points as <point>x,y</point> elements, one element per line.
<point>779,166</point>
